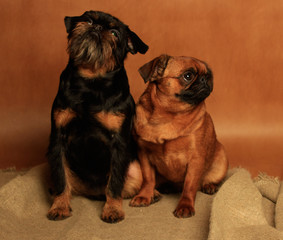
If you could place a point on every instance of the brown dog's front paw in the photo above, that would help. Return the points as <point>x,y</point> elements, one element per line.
<point>210,188</point>
<point>144,201</point>
<point>184,211</point>
<point>140,201</point>
<point>59,213</point>
<point>112,214</point>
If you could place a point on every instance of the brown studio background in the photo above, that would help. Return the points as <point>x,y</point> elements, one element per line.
<point>240,40</point>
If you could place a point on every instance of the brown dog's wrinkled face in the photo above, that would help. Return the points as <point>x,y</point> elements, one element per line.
<point>99,40</point>
<point>185,78</point>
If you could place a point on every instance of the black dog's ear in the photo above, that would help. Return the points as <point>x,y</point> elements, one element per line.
<point>154,69</point>
<point>70,23</point>
<point>135,44</point>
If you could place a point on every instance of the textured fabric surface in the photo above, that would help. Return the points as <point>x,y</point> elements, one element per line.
<point>237,211</point>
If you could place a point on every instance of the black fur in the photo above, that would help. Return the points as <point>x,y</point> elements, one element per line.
<point>96,154</point>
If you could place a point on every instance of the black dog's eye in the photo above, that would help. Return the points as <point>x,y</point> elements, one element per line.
<point>188,76</point>
<point>90,22</point>
<point>115,33</point>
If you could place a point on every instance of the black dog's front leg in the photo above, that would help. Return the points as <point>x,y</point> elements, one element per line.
<point>113,211</point>
<point>60,208</point>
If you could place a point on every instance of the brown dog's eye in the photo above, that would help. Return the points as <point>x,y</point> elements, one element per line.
<point>188,76</point>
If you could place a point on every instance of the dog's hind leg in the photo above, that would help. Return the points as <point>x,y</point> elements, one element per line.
<point>217,171</point>
<point>133,180</point>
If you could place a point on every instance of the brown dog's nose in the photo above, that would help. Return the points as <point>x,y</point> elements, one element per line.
<point>203,80</point>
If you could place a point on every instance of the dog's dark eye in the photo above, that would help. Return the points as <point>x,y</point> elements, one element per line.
<point>115,33</point>
<point>188,76</point>
<point>90,22</point>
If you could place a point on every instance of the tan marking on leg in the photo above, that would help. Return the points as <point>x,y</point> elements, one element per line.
<point>112,211</point>
<point>61,208</point>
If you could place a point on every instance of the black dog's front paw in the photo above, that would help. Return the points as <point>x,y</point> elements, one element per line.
<point>112,214</point>
<point>59,213</point>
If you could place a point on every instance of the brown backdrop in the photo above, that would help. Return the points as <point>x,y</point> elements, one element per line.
<point>241,40</point>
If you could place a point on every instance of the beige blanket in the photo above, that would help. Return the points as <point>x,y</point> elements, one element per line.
<point>242,209</point>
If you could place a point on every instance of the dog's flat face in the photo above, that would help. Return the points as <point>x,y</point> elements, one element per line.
<point>99,40</point>
<point>185,78</point>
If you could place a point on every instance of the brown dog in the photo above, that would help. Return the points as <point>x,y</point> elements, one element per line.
<point>175,134</point>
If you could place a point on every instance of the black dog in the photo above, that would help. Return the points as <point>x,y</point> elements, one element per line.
<point>91,148</point>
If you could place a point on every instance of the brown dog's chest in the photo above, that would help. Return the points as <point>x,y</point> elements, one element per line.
<point>170,158</point>
<point>172,145</point>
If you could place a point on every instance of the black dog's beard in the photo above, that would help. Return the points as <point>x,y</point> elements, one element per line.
<point>93,50</point>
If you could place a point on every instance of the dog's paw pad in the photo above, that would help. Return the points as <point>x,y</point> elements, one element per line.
<point>184,212</point>
<point>210,188</point>
<point>112,215</point>
<point>59,213</point>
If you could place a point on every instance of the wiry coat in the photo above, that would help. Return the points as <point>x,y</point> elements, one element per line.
<point>91,146</point>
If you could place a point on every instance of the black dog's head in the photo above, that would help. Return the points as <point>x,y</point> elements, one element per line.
<point>100,42</point>
<point>185,78</point>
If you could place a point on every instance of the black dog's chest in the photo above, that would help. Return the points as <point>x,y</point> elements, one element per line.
<point>95,117</point>
<point>93,95</point>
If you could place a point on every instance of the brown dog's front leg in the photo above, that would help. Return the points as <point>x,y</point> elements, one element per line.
<point>185,207</point>
<point>147,194</point>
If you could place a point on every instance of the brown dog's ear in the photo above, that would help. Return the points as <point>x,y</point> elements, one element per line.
<point>154,69</point>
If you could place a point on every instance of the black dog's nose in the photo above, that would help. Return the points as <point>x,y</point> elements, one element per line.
<point>97,27</point>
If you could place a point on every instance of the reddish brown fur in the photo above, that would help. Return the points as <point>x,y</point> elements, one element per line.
<point>177,139</point>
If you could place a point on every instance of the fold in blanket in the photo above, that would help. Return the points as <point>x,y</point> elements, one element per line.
<point>237,210</point>
<point>242,209</point>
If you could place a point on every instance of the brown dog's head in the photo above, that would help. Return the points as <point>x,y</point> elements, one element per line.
<point>186,78</point>
<point>98,40</point>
